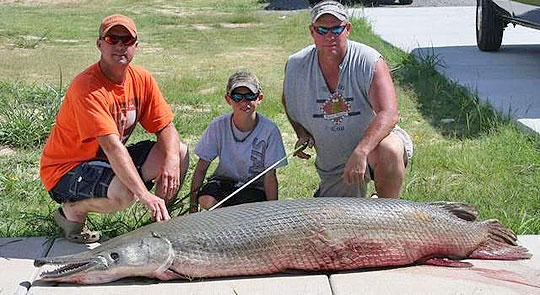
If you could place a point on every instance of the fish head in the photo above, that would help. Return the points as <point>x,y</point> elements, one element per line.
<point>124,256</point>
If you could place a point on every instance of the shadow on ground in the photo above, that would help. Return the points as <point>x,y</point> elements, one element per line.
<point>454,110</point>
<point>465,92</point>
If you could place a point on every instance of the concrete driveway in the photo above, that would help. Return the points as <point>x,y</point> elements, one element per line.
<point>487,277</point>
<point>508,79</point>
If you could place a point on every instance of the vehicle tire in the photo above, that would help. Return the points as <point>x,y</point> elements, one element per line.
<point>405,1</point>
<point>489,26</point>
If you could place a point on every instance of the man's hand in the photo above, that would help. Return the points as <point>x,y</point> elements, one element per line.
<point>301,141</point>
<point>168,179</point>
<point>156,206</point>
<point>355,168</point>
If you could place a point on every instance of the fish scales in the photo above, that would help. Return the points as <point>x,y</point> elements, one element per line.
<point>322,234</point>
<point>315,235</point>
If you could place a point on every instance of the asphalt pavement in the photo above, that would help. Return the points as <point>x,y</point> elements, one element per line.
<point>427,3</point>
<point>508,79</point>
<point>304,4</point>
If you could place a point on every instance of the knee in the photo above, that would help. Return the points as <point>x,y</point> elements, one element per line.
<point>126,202</point>
<point>184,158</point>
<point>390,153</point>
<point>184,152</point>
<point>207,201</point>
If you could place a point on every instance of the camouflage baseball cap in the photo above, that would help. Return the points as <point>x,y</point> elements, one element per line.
<point>331,7</point>
<point>245,79</point>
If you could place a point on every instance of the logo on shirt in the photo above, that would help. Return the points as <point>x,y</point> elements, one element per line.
<point>258,155</point>
<point>125,116</point>
<point>335,108</point>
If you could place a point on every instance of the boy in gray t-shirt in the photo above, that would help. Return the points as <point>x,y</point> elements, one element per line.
<point>246,144</point>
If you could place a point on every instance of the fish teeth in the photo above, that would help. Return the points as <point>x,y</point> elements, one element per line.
<point>64,269</point>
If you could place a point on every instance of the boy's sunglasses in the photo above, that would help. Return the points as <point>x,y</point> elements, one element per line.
<point>113,40</point>
<point>237,97</point>
<point>335,30</point>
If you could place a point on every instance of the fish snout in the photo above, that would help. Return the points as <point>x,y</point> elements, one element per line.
<point>40,262</point>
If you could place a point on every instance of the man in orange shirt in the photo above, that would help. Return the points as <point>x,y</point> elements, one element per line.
<point>85,164</point>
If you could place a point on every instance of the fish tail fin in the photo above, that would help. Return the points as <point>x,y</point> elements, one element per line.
<point>461,210</point>
<point>501,244</point>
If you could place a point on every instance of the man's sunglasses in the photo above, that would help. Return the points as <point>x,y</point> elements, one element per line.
<point>335,30</point>
<point>237,97</point>
<point>113,40</point>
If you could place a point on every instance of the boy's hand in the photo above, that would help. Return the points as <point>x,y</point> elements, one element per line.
<point>193,206</point>
<point>306,141</point>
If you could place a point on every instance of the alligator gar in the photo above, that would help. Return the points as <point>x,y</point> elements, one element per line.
<point>322,234</point>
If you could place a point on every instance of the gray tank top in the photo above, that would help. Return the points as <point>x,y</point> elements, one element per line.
<point>336,120</point>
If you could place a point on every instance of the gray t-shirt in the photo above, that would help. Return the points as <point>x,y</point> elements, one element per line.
<point>242,155</point>
<point>337,121</point>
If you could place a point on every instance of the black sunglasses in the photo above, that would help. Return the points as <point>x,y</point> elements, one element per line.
<point>113,40</point>
<point>237,97</point>
<point>335,30</point>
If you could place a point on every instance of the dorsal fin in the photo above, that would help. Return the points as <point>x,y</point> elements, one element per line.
<point>462,210</point>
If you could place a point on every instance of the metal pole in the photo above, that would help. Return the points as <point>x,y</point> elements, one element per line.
<point>303,146</point>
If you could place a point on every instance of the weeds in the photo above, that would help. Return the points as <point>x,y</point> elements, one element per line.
<point>244,19</point>
<point>30,42</point>
<point>27,113</point>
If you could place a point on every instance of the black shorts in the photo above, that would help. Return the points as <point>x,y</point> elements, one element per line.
<point>220,188</point>
<point>92,179</point>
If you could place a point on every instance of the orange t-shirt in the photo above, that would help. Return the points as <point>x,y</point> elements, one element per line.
<point>95,106</point>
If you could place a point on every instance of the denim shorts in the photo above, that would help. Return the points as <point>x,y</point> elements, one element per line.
<point>220,188</point>
<point>92,179</point>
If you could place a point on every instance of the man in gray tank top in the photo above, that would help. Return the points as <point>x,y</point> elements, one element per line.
<point>338,95</point>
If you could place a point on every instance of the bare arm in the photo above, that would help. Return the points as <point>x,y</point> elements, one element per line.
<point>125,170</point>
<point>301,133</point>
<point>383,99</point>
<point>168,178</point>
<point>196,182</point>
<point>271,185</point>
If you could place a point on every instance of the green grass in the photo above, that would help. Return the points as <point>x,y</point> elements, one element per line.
<point>191,47</point>
<point>27,113</point>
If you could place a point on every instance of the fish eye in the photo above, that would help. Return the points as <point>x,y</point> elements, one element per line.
<point>115,256</point>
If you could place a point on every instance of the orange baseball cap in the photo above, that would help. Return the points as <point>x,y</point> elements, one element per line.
<point>117,20</point>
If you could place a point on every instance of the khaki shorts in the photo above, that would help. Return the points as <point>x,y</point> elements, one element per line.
<point>333,185</point>
<point>407,141</point>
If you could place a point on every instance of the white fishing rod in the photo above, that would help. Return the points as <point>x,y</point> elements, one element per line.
<point>301,147</point>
